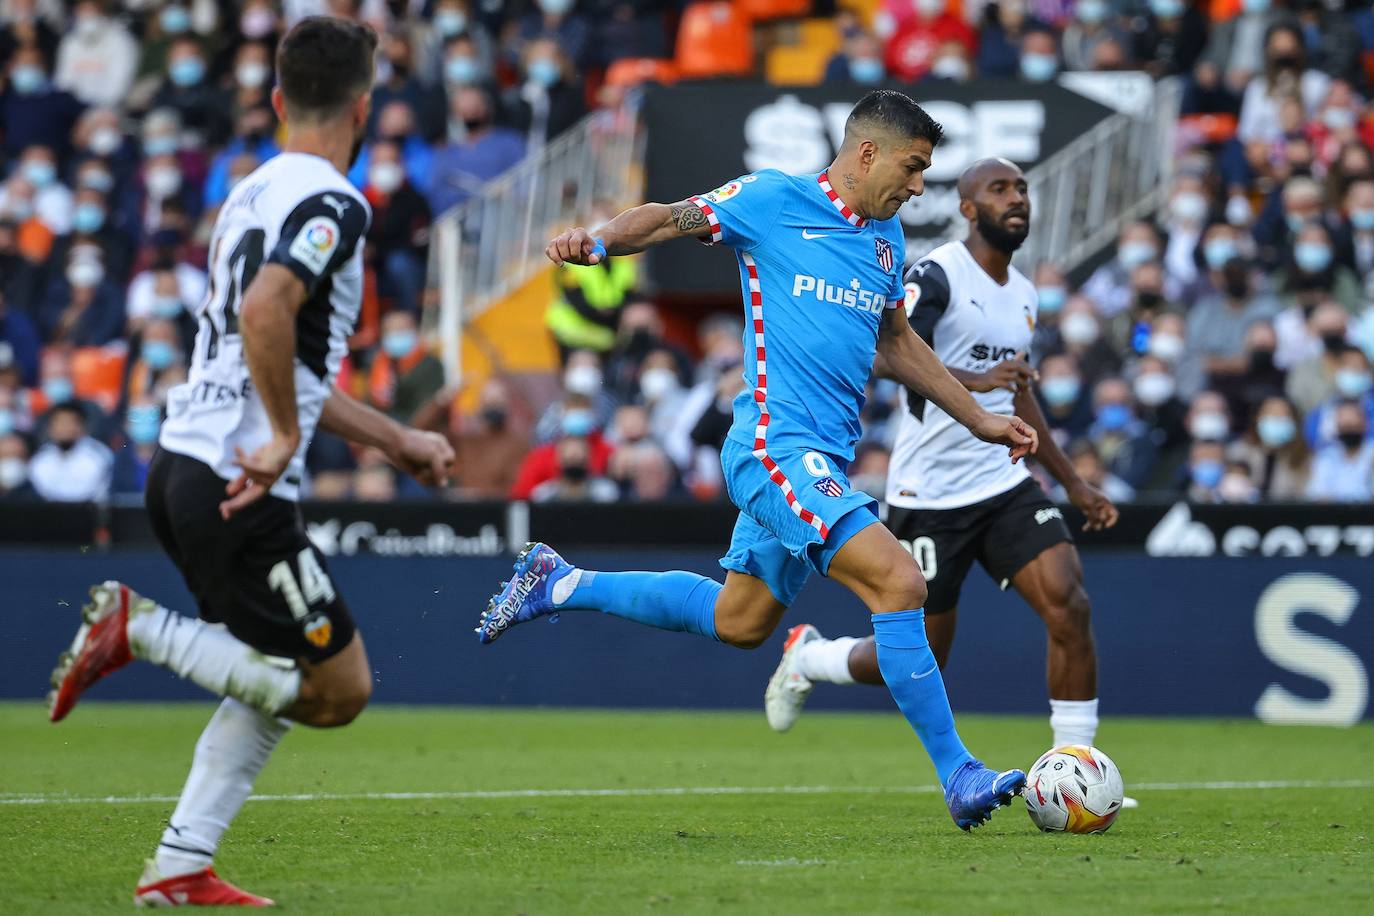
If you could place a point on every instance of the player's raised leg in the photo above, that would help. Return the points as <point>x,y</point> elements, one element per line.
<point>874,566</point>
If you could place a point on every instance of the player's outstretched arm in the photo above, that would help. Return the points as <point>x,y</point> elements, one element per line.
<point>1097,509</point>
<point>908,359</point>
<point>632,231</point>
<point>426,456</point>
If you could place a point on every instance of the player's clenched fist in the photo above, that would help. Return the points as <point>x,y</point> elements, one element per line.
<point>573,247</point>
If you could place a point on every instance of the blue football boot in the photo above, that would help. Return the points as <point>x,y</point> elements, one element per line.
<point>528,594</point>
<point>974,791</point>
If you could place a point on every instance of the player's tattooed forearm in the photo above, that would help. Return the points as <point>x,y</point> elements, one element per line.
<point>687,217</point>
<point>850,181</point>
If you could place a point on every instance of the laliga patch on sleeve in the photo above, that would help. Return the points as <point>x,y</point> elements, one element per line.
<point>315,243</point>
<point>913,293</point>
<point>724,192</point>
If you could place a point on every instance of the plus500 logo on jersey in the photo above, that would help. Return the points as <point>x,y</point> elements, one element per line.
<point>848,296</point>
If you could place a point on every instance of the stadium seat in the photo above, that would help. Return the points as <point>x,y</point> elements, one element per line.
<point>1208,128</point>
<point>632,71</point>
<point>774,9</point>
<point>803,63</point>
<point>714,39</point>
<point>98,374</point>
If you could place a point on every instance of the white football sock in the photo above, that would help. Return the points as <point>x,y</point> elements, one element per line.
<point>1073,721</point>
<point>211,657</point>
<point>826,660</point>
<point>230,754</point>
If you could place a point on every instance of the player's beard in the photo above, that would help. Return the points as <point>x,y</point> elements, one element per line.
<point>998,235</point>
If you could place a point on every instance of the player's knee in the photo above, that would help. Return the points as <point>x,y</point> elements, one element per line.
<point>743,633</point>
<point>340,707</point>
<point>1068,619</point>
<point>902,587</point>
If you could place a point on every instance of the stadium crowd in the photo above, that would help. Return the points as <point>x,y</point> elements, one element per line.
<point>1223,350</point>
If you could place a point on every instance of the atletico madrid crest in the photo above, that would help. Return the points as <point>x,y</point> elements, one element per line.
<point>829,486</point>
<point>884,254</point>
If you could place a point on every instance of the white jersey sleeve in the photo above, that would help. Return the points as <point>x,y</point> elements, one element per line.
<point>296,211</point>
<point>972,323</point>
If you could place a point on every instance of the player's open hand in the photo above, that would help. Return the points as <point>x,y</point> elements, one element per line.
<point>258,472</point>
<point>1013,374</point>
<point>573,247</point>
<point>1013,432</point>
<point>426,456</point>
<point>1099,511</point>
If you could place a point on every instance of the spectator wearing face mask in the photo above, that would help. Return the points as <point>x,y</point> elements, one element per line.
<point>661,392</point>
<point>1005,24</point>
<point>1344,470</point>
<point>1124,441</point>
<point>1204,471</point>
<point>404,374</point>
<point>1275,453</point>
<point>1332,43</point>
<point>255,124</point>
<point>1157,402</point>
<point>645,474</point>
<point>640,334</point>
<point>97,58</point>
<point>34,111</point>
<point>1094,23</point>
<point>398,240</point>
<point>1354,240</point>
<point>1039,58</point>
<point>911,47</point>
<point>168,292</point>
<point>859,60</point>
<point>1313,271</point>
<point>1353,383</point>
<point>71,466</point>
<point>188,90</point>
<point>452,21</point>
<point>1217,328</point>
<point>56,385</point>
<point>576,481</point>
<point>84,307</point>
<point>1052,292</point>
<point>1109,287</point>
<point>1168,37</point>
<point>467,61</point>
<point>583,381</point>
<point>1313,380</point>
<point>556,21</point>
<point>1285,72</point>
<point>1063,397</point>
<point>50,200</point>
<point>477,151</point>
<point>158,362</point>
<point>490,443</point>
<point>135,447</point>
<point>543,463</point>
<point>547,101</point>
<point>1129,332</point>
<point>1234,53</point>
<point>396,125</point>
<point>14,470</point>
<point>1260,380</point>
<point>399,82</point>
<point>1087,463</point>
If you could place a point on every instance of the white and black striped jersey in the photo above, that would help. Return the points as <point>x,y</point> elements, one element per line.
<point>297,211</point>
<point>972,323</point>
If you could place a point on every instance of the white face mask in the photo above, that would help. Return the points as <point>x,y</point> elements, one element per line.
<point>13,472</point>
<point>1168,347</point>
<point>163,182</point>
<point>1189,208</point>
<point>657,382</point>
<point>1209,427</point>
<point>386,176</point>
<point>584,380</point>
<point>950,67</point>
<point>85,274</point>
<point>1238,211</point>
<point>105,140</point>
<point>1154,388</point>
<point>1078,328</point>
<point>251,75</point>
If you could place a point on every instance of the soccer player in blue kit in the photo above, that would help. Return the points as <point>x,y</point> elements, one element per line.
<point>820,260</point>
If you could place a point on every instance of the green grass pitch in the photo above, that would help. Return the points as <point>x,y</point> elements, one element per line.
<point>476,822</point>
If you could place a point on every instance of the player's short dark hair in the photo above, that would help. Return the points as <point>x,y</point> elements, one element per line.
<point>324,64</point>
<point>894,112</point>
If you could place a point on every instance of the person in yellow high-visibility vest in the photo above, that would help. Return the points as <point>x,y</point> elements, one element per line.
<point>587,302</point>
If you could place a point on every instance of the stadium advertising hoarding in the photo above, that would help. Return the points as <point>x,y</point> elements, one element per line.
<point>1285,639</point>
<point>743,127</point>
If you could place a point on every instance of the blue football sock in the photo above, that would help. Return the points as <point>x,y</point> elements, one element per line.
<point>913,677</point>
<point>681,601</point>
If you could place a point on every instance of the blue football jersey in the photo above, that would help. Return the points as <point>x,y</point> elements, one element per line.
<point>816,281</point>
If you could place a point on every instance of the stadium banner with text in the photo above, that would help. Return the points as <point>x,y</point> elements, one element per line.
<point>736,128</point>
<point>442,529</point>
<point>1286,639</point>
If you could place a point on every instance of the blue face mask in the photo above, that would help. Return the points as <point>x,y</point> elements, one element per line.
<point>143,423</point>
<point>88,218</point>
<point>450,22</point>
<point>545,72</point>
<point>174,20</point>
<point>1167,9</point>
<point>1362,220</point>
<point>463,70</point>
<point>6,422</point>
<point>866,70</point>
<point>1219,251</point>
<point>58,390</point>
<point>1090,11</point>
<point>1207,474</point>
<point>1276,431</point>
<point>1039,68</point>
<point>160,146</point>
<point>158,354</point>
<point>578,422</point>
<point>187,71</point>
<point>1133,254</point>
<point>40,174</point>
<point>96,180</point>
<point>1113,417</point>
<point>28,80</point>
<point>1295,222</point>
<point>1255,6</point>
<point>167,307</point>
<point>399,344</point>
<point>1051,299</point>
<point>1060,390</point>
<point>1352,383</point>
<point>1312,257</point>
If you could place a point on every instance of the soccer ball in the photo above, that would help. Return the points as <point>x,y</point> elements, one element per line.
<point>1074,789</point>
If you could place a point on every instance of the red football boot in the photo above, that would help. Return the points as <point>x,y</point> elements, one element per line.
<point>199,888</point>
<point>100,647</point>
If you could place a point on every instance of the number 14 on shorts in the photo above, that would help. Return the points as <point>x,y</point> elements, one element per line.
<point>311,587</point>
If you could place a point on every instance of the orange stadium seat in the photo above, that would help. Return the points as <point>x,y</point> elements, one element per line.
<point>803,63</point>
<point>632,71</point>
<point>714,39</point>
<point>774,9</point>
<point>98,374</point>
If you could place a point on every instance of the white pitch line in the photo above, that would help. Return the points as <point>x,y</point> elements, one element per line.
<point>1226,786</point>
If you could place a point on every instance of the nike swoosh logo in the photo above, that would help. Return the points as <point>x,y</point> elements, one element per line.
<point>814,235</point>
<point>917,677</point>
